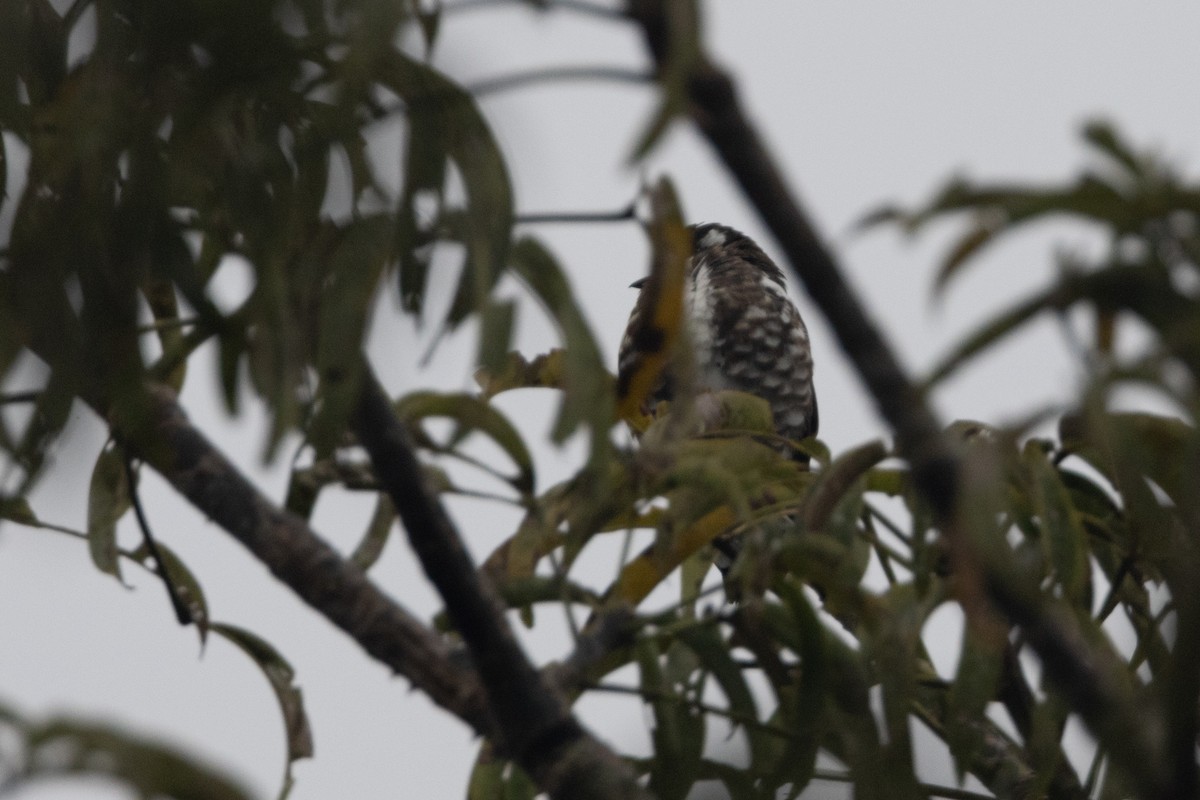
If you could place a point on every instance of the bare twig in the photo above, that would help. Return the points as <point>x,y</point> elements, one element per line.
<point>580,6</point>
<point>621,215</point>
<point>535,77</point>
<point>182,612</point>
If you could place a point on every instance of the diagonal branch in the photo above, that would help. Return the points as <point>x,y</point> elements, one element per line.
<point>158,431</point>
<point>536,727</point>
<point>1081,672</point>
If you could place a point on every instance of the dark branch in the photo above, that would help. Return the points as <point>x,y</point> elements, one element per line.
<point>160,434</point>
<point>536,728</point>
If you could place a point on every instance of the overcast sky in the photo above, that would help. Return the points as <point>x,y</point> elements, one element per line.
<point>862,104</point>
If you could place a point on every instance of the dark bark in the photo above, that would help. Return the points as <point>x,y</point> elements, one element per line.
<point>159,432</point>
<point>534,724</point>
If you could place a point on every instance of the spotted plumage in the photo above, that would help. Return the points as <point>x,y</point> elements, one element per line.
<point>746,333</point>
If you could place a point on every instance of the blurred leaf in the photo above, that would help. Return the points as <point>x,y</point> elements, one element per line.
<point>445,124</point>
<point>108,500</point>
<point>893,644</point>
<point>804,715</point>
<point>470,414</point>
<point>713,652</point>
<point>1062,531</point>
<point>17,509</point>
<point>1104,137</point>
<point>494,778</point>
<point>676,66</point>
<point>833,482</point>
<point>588,393</point>
<point>370,547</point>
<point>186,586</point>
<point>656,331</point>
<point>980,665</point>
<point>495,334</point>
<point>281,676</point>
<point>69,747</point>
<point>546,371</point>
<point>678,733</point>
<point>355,265</point>
<point>987,335</point>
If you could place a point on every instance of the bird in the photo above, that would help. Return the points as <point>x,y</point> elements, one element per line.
<point>746,333</point>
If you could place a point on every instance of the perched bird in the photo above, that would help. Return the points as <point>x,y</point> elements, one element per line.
<point>746,334</point>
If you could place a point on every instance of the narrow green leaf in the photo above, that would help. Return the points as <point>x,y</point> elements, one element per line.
<point>967,246</point>
<point>678,733</point>
<point>988,334</point>
<point>495,334</point>
<point>446,123</point>
<point>1104,137</point>
<point>833,482</point>
<point>281,676</point>
<point>980,665</point>
<point>355,265</point>
<point>370,547</point>
<point>187,587</point>
<point>69,747</point>
<point>472,414</point>
<point>714,654</point>
<point>17,509</point>
<point>1062,531</point>
<point>516,372</point>
<point>683,49</point>
<point>108,500</point>
<point>588,387</point>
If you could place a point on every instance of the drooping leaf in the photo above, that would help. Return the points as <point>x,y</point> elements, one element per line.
<point>370,547</point>
<point>678,733</point>
<point>355,265</point>
<point>63,747</point>
<point>802,711</point>
<point>683,48</point>
<point>17,509</point>
<point>658,328</point>
<point>281,676</point>
<point>980,666</point>
<point>184,582</point>
<point>1061,528</point>
<point>471,414</point>
<point>108,500</point>
<point>588,393</point>
<point>446,125</point>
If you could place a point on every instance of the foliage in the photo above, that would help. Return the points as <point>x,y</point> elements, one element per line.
<point>222,125</point>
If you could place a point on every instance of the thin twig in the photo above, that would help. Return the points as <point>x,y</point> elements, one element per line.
<point>625,214</point>
<point>578,6</point>
<point>16,398</point>
<point>182,612</point>
<point>534,77</point>
<point>931,789</point>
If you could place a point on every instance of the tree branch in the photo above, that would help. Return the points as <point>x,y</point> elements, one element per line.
<point>159,432</point>
<point>535,725</point>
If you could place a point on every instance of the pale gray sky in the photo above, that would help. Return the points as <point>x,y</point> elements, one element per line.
<point>863,104</point>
